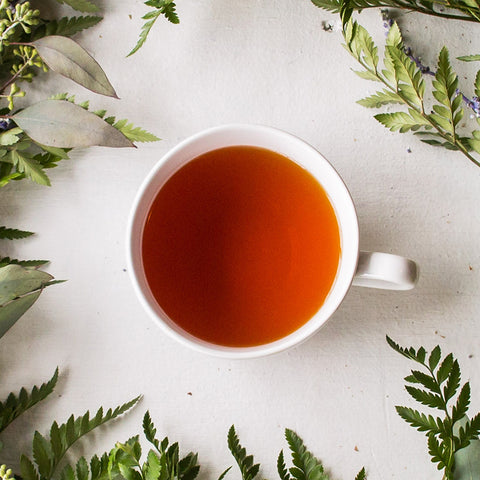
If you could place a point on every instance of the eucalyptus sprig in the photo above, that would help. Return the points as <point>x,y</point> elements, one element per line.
<point>438,387</point>
<point>437,121</point>
<point>38,136</point>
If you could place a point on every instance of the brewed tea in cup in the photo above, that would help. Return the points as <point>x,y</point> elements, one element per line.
<point>243,241</point>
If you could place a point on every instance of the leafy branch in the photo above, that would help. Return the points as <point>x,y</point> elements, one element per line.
<point>404,84</point>
<point>437,387</point>
<point>467,10</point>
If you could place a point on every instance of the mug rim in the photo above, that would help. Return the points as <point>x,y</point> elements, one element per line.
<point>338,290</point>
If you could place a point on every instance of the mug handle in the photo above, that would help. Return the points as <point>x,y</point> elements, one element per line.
<point>385,271</point>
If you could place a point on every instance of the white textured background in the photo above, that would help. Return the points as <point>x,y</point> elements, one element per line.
<point>264,62</point>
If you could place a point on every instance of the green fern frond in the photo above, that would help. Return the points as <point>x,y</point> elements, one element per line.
<point>306,465</point>
<point>48,453</point>
<point>13,233</point>
<point>15,405</point>
<point>248,469</point>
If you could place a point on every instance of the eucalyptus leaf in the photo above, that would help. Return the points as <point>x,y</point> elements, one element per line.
<point>57,123</point>
<point>66,57</point>
<point>12,311</point>
<point>16,281</point>
<point>467,462</point>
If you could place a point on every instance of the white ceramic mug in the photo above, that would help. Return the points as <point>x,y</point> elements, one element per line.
<point>368,269</point>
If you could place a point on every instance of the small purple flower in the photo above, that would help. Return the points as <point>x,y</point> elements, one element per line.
<point>387,21</point>
<point>473,103</point>
<point>425,69</point>
<point>5,124</point>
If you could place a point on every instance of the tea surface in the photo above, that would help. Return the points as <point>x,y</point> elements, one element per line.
<point>241,246</point>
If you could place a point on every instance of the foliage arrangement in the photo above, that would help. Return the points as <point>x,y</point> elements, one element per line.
<point>453,441</point>
<point>403,83</point>
<point>468,10</point>
<point>402,76</point>
<point>36,137</point>
<point>448,437</point>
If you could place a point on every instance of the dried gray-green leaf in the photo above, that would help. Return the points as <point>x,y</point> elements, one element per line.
<point>57,123</point>
<point>12,311</point>
<point>81,5</point>
<point>66,57</point>
<point>467,460</point>
<point>16,281</point>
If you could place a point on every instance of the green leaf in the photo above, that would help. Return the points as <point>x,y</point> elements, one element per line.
<point>401,121</point>
<point>16,405</point>
<point>13,233</point>
<point>62,124</point>
<point>420,421</point>
<point>438,452</point>
<point>434,358</point>
<point>71,431</point>
<point>66,57</point>
<point>477,85</point>
<point>426,398</point>
<point>149,430</point>
<point>366,75</point>
<point>43,455</point>
<point>224,473</point>
<point>81,5</point>
<point>463,401</point>
<point>445,368</point>
<point>361,475</point>
<point>306,465</point>
<point>380,98</point>
<point>469,58</point>
<point>10,137</point>
<point>82,469</point>
<point>66,26</point>
<point>453,382</point>
<point>4,261</point>
<point>282,468</point>
<point>30,167</point>
<point>449,112</point>
<point>248,469</point>
<point>135,134</point>
<point>153,467</point>
<point>27,469</point>
<point>427,381</point>
<point>346,11</point>
<point>394,37</point>
<point>7,178</point>
<point>151,18</point>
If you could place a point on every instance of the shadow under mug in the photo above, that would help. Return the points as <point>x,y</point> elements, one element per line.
<point>367,269</point>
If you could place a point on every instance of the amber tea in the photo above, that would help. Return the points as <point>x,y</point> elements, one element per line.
<point>241,246</point>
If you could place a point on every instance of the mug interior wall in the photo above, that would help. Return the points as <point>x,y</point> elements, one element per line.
<point>297,151</point>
